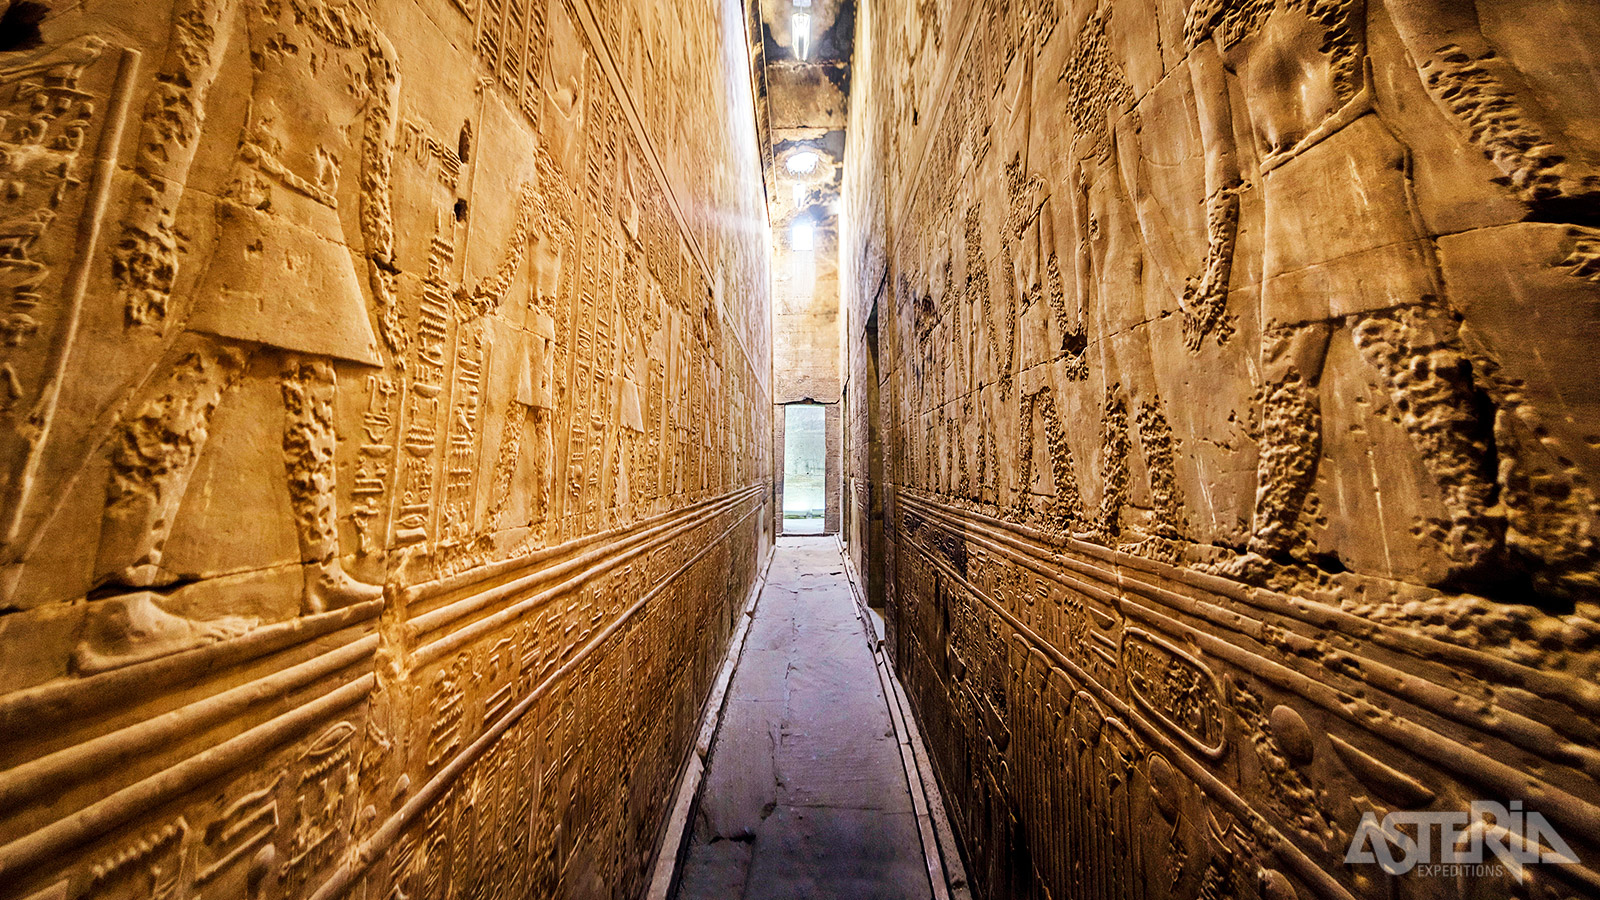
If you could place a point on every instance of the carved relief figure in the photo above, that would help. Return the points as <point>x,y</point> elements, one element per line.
<point>1518,126</point>
<point>1109,279</point>
<point>279,283</point>
<point>1029,244</point>
<point>540,232</point>
<point>1352,262</point>
<point>1528,107</point>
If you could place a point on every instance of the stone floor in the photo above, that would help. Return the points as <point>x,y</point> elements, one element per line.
<point>806,796</point>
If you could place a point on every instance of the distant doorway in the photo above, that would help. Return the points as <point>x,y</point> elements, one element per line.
<point>805,464</point>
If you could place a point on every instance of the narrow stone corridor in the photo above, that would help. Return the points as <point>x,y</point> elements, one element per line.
<point>806,795</point>
<point>1179,417</point>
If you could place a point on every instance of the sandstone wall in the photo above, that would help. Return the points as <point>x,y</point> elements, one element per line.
<point>385,441</point>
<point>1235,369</point>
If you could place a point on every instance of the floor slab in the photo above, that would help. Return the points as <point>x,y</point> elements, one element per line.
<point>806,793</point>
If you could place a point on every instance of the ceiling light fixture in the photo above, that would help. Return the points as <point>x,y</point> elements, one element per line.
<point>801,163</point>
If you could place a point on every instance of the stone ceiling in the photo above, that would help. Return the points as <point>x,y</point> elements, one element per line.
<point>802,52</point>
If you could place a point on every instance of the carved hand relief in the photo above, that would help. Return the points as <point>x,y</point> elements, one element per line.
<point>1278,308</point>
<point>355,359</point>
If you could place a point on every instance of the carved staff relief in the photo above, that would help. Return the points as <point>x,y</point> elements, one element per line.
<point>384,441</point>
<point>1280,309</point>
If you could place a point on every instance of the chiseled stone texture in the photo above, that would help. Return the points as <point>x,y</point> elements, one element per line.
<point>385,438</point>
<point>1239,439</point>
<point>806,794</point>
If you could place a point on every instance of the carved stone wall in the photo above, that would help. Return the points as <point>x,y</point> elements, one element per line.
<point>1235,377</point>
<point>385,439</point>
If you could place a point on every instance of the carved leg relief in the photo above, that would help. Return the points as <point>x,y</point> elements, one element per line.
<point>1430,383</point>
<point>1550,520</point>
<point>156,450</point>
<point>1068,507</point>
<point>963,486</point>
<point>154,456</point>
<point>1025,470</point>
<point>994,468</point>
<point>308,455</point>
<point>1291,443</point>
<point>505,464</point>
<point>1113,465</point>
<point>544,463</point>
<point>981,476</point>
<point>1159,446</point>
<point>1074,335</point>
<point>1551,513</point>
<point>1004,358</point>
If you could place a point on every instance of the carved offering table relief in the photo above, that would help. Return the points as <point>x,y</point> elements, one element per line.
<point>1232,366</point>
<point>380,473</point>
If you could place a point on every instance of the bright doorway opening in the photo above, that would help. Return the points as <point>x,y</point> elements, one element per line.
<point>805,464</point>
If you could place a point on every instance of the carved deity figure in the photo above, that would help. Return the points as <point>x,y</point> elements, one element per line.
<point>1349,261</point>
<point>539,232</point>
<point>534,400</point>
<point>1028,241</point>
<point>1109,279</point>
<point>279,284</point>
<point>628,415</point>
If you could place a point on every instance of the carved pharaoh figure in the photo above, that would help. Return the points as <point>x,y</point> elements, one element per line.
<point>1352,262</point>
<point>534,400</point>
<point>279,282</point>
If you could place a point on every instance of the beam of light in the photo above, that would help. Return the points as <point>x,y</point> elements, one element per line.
<point>801,163</point>
<point>802,35</point>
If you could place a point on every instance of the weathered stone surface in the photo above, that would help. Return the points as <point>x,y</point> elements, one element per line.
<point>1220,372</point>
<point>385,438</point>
